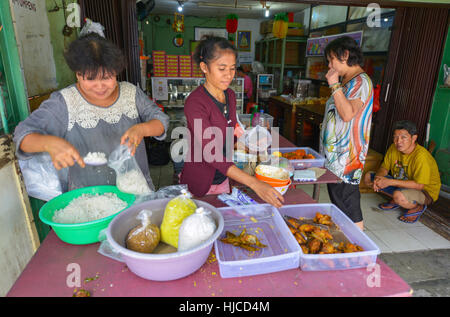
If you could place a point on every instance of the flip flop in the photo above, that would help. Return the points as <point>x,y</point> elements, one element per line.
<point>418,214</point>
<point>388,206</point>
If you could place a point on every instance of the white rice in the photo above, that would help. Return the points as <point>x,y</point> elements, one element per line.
<point>89,207</point>
<point>95,158</point>
<point>133,182</point>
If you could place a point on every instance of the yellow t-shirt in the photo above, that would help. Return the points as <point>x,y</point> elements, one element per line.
<point>418,166</point>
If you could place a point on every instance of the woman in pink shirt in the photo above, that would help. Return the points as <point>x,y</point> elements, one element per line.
<point>210,110</point>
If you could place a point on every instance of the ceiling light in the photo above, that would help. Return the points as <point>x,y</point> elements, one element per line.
<point>180,6</point>
<point>266,13</point>
<point>223,5</point>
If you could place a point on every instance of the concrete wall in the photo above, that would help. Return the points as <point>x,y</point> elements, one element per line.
<point>18,236</point>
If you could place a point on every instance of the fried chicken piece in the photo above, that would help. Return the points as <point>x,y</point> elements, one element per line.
<point>313,245</point>
<point>323,219</point>
<point>322,235</point>
<point>307,228</point>
<point>294,223</point>
<point>304,249</point>
<point>246,241</point>
<point>350,247</point>
<point>299,238</point>
<point>327,248</point>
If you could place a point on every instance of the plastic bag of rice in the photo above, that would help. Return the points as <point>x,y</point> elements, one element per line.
<point>89,207</point>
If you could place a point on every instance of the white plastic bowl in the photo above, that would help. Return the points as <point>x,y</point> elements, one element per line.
<point>283,189</point>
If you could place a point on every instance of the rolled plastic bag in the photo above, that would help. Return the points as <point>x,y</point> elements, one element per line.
<point>175,212</point>
<point>196,229</point>
<point>129,177</point>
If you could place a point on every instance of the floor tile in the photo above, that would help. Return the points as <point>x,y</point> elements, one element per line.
<point>399,240</point>
<point>428,237</point>
<point>384,248</point>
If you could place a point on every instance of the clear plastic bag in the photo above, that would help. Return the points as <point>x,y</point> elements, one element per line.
<point>175,212</point>
<point>92,27</point>
<point>256,139</point>
<point>143,238</point>
<point>446,76</point>
<point>196,229</point>
<point>42,180</point>
<point>129,177</point>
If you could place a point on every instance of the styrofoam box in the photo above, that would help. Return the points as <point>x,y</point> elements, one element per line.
<point>338,261</point>
<point>319,160</point>
<point>264,221</point>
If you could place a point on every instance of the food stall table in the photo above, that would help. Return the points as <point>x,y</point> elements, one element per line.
<point>58,268</point>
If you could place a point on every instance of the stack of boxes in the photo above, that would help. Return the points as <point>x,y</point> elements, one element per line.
<point>172,65</point>
<point>159,63</point>
<point>196,71</point>
<point>185,63</point>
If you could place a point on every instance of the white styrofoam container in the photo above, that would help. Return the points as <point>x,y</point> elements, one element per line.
<point>263,220</point>
<point>338,261</point>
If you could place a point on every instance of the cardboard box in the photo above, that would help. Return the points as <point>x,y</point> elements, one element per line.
<point>266,27</point>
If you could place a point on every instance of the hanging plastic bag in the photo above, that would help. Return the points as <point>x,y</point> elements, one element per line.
<point>196,229</point>
<point>175,212</point>
<point>92,27</point>
<point>145,237</point>
<point>40,177</point>
<point>129,177</point>
<point>446,76</point>
<point>257,139</point>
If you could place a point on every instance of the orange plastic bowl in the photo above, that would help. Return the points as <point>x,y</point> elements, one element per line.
<point>272,181</point>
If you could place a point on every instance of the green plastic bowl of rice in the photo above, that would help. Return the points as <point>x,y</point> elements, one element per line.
<point>79,216</point>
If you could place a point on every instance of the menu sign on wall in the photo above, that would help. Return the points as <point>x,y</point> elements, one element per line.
<point>315,46</point>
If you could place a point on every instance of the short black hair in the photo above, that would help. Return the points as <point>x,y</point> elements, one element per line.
<point>406,125</point>
<point>92,54</point>
<point>208,47</point>
<point>342,44</point>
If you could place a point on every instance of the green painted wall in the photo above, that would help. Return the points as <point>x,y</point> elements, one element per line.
<point>159,35</point>
<point>440,119</point>
<point>440,111</point>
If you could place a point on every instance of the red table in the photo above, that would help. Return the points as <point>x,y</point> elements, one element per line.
<point>54,268</point>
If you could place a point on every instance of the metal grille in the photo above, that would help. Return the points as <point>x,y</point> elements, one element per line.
<point>120,22</point>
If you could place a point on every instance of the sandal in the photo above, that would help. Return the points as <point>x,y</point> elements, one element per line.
<point>417,214</point>
<point>388,206</point>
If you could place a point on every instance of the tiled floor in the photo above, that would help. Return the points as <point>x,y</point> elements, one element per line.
<point>383,227</point>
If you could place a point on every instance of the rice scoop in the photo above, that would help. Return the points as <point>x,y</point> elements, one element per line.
<point>196,229</point>
<point>144,237</point>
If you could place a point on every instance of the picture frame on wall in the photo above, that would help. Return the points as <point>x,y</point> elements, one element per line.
<point>193,46</point>
<point>200,32</point>
<point>244,39</point>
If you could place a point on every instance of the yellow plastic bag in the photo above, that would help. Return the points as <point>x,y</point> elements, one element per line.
<point>176,211</point>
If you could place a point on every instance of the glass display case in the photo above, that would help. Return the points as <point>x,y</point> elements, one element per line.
<point>171,92</point>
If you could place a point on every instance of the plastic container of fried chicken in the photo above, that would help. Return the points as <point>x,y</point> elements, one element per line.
<point>258,241</point>
<point>341,255</point>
